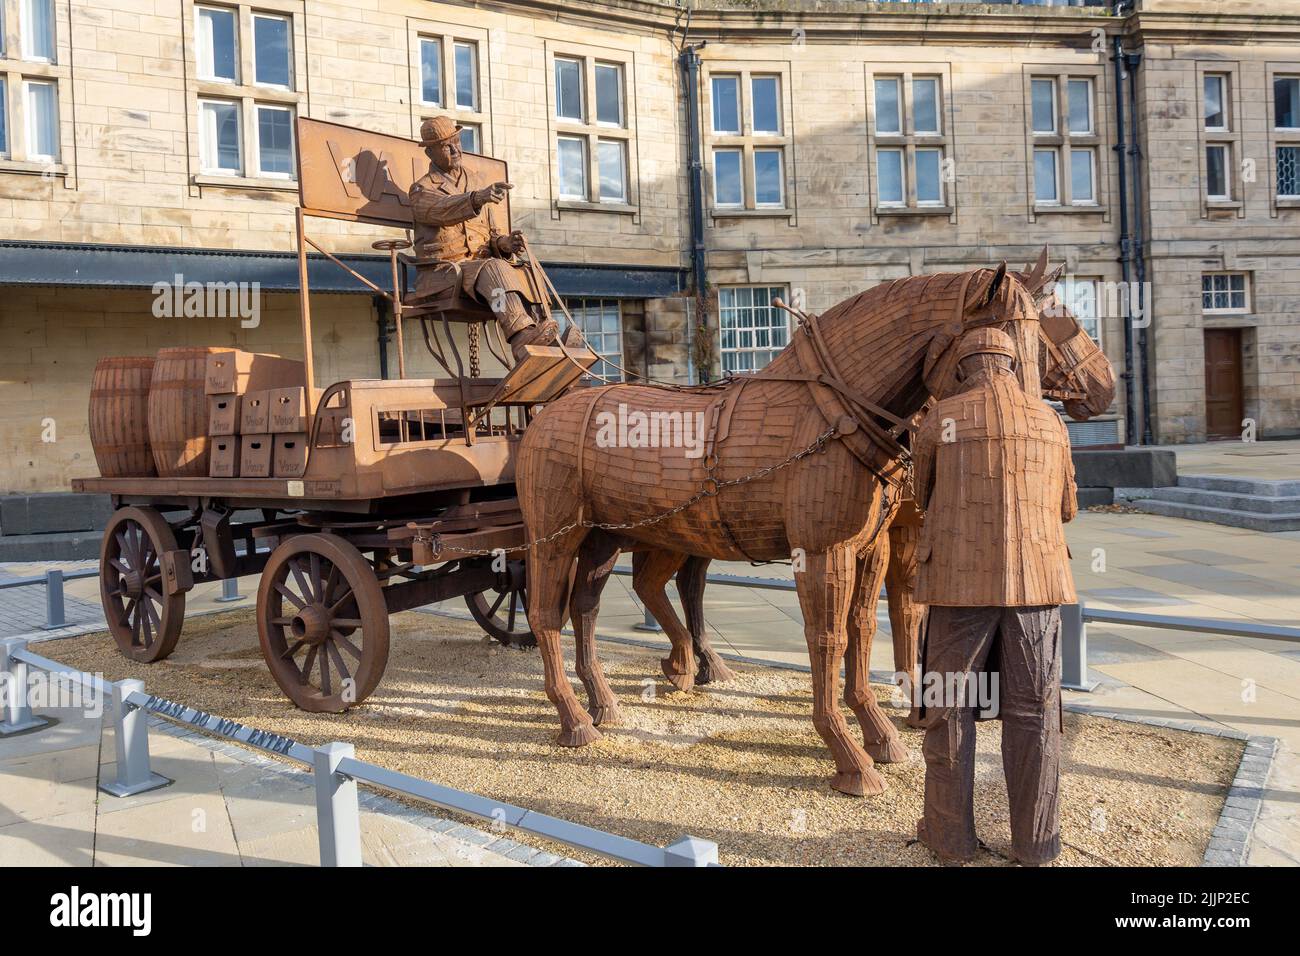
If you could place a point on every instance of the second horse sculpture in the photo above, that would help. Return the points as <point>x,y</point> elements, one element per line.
<point>802,459</point>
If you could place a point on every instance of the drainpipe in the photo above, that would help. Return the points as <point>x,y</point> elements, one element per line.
<point>1133,61</point>
<point>1130,420</point>
<point>689,60</point>
<point>381,310</point>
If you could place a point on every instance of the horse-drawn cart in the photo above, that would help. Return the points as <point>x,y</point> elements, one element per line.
<point>406,495</point>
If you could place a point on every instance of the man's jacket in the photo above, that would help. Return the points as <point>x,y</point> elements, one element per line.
<point>448,229</point>
<point>994,476</point>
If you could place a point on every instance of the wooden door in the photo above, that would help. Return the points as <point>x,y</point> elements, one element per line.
<point>1223,379</point>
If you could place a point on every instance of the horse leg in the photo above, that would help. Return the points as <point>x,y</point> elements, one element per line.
<point>905,614</point>
<point>549,566</point>
<point>878,733</point>
<point>596,560</point>
<point>825,590</point>
<point>651,571</point>
<point>690,587</point>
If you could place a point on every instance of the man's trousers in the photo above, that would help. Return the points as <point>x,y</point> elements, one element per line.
<point>1026,642</point>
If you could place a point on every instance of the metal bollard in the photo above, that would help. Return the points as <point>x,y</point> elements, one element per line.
<point>131,733</point>
<point>229,591</point>
<point>54,614</point>
<point>338,819</point>
<point>16,715</point>
<point>1074,649</point>
<point>648,624</point>
<point>691,851</point>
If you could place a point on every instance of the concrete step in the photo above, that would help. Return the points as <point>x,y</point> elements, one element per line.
<point>1228,500</point>
<point>1253,521</point>
<point>1241,486</point>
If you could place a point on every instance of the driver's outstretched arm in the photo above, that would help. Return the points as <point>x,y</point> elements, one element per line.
<point>435,209</point>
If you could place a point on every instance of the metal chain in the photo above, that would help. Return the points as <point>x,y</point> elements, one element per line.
<point>711,488</point>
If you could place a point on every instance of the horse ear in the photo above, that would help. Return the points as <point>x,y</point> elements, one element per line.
<point>995,284</point>
<point>1035,280</point>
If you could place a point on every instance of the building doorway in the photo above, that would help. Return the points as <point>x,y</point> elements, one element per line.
<point>1224,404</point>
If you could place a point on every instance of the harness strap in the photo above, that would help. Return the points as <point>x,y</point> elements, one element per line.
<point>596,395</point>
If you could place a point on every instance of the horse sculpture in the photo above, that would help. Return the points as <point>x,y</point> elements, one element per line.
<point>802,459</point>
<point>1072,369</point>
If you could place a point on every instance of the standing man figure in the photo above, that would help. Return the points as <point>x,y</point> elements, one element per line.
<point>458,240</point>
<point>994,476</point>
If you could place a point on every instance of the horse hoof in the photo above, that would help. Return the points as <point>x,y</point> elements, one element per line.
<point>714,673</point>
<point>578,736</point>
<point>609,716</point>
<point>868,783</point>
<point>889,751</point>
<point>683,682</point>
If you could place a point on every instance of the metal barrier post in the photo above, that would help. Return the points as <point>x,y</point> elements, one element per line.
<point>338,819</point>
<point>1074,649</point>
<point>16,716</point>
<point>691,851</point>
<point>131,733</point>
<point>54,616</point>
<point>229,591</point>
<point>648,624</point>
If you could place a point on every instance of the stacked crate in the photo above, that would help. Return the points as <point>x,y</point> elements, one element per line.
<point>244,389</point>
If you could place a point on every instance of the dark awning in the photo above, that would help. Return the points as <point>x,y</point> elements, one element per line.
<point>140,267</point>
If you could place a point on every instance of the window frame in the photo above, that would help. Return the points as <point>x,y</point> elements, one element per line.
<point>1224,81</point>
<point>751,143</point>
<point>781,290</point>
<point>1246,292</point>
<point>1280,137</point>
<point>248,93</point>
<point>215,150</point>
<point>621,122</point>
<point>597,134</point>
<point>26,34</point>
<point>287,20</point>
<point>257,141</point>
<point>1065,142</point>
<point>906,79</point>
<point>28,82</point>
<point>584,162</point>
<point>236,53</point>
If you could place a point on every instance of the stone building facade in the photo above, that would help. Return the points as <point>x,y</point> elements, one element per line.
<point>842,144</point>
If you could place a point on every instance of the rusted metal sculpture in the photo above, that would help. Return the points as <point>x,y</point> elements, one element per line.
<point>464,247</point>
<point>1072,368</point>
<point>803,458</point>
<point>373,496</point>
<point>994,475</point>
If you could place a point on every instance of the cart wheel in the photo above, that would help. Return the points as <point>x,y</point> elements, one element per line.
<point>501,614</point>
<point>323,623</point>
<point>143,619</point>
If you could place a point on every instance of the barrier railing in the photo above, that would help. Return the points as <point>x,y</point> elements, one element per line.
<point>334,766</point>
<point>53,581</point>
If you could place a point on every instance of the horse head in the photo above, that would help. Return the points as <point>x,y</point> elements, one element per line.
<point>987,297</point>
<point>1073,368</point>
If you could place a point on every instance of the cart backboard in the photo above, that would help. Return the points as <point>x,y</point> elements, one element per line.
<point>362,176</point>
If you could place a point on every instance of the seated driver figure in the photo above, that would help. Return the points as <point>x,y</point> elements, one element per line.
<point>454,224</point>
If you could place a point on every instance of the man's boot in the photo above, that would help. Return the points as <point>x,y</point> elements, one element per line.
<point>540,333</point>
<point>573,338</point>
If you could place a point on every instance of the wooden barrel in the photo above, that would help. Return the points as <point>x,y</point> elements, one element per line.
<point>119,416</point>
<point>178,412</point>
